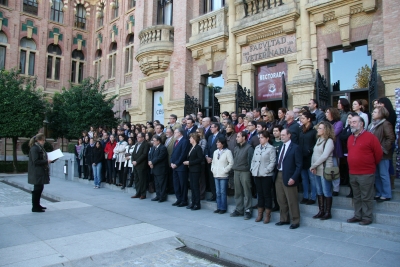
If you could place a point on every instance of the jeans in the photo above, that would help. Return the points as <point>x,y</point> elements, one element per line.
<point>221,184</point>
<point>308,177</point>
<point>324,187</point>
<point>336,183</point>
<point>97,174</point>
<point>382,179</point>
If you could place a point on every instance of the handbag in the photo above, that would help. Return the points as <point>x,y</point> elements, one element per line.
<point>106,155</point>
<point>127,155</point>
<point>331,173</point>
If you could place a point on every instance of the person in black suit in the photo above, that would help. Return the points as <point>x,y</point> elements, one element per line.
<point>190,127</point>
<point>290,161</point>
<point>209,152</point>
<point>180,178</point>
<point>140,167</point>
<point>252,137</point>
<point>292,126</point>
<point>206,123</point>
<point>158,163</point>
<point>194,162</point>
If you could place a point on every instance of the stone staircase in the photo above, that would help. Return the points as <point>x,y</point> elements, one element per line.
<point>386,223</point>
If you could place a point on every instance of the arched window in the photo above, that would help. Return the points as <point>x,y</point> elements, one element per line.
<point>80,17</point>
<point>3,49</point>
<point>129,54</point>
<point>97,64</point>
<point>56,13</point>
<point>165,12</point>
<point>211,5</point>
<point>100,16</point>
<point>77,66</point>
<point>115,10</point>
<point>27,56</point>
<point>112,60</point>
<point>53,62</point>
<point>31,7</point>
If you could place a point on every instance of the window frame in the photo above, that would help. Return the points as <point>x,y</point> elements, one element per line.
<point>97,64</point>
<point>129,54</point>
<point>57,12</point>
<point>161,12</point>
<point>208,5</point>
<point>77,68</point>
<point>80,17</point>
<point>112,61</point>
<point>3,50</point>
<point>30,54</point>
<point>115,10</point>
<point>100,20</point>
<point>30,7</point>
<point>4,2</point>
<point>53,69</point>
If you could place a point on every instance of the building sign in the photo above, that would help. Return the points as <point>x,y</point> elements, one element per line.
<point>158,108</point>
<point>270,48</point>
<point>269,81</point>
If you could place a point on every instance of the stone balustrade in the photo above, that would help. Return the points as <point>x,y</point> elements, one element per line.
<point>210,23</point>
<point>251,7</point>
<point>157,33</point>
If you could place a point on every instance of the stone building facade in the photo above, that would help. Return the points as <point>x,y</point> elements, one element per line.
<point>154,52</point>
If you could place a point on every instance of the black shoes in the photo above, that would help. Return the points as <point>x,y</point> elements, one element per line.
<point>222,211</point>
<point>155,199</point>
<point>176,203</point>
<point>381,199</point>
<point>189,207</point>
<point>37,210</point>
<point>213,198</point>
<point>282,223</point>
<point>236,214</point>
<point>335,194</point>
<point>195,207</point>
<point>310,202</point>
<point>183,204</point>
<point>294,226</point>
<point>353,220</point>
<point>247,215</point>
<point>43,208</point>
<point>161,200</point>
<point>216,211</point>
<point>304,201</point>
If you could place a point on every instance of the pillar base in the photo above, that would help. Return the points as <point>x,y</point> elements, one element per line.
<point>391,77</point>
<point>301,91</point>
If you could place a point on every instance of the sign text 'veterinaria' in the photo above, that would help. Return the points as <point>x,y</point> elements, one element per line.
<point>270,48</point>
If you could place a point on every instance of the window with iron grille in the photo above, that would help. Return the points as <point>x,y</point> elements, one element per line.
<point>56,13</point>
<point>31,7</point>
<point>80,17</point>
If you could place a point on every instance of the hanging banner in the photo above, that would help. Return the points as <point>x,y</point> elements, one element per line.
<point>269,81</point>
<point>158,108</point>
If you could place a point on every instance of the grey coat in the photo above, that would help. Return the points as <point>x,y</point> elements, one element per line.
<point>263,162</point>
<point>38,167</point>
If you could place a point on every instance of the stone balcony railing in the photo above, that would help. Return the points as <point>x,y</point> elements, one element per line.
<point>209,26</point>
<point>156,47</point>
<point>251,7</point>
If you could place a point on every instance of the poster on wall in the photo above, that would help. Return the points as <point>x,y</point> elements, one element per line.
<point>269,81</point>
<point>158,108</point>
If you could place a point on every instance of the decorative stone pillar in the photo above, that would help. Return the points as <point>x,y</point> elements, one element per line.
<point>391,77</point>
<point>306,64</point>
<point>227,96</point>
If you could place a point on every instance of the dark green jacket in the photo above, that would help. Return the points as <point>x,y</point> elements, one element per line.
<point>38,167</point>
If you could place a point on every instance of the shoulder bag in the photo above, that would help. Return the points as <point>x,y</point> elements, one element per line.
<point>331,173</point>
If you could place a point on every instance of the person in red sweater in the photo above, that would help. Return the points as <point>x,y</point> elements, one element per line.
<point>109,152</point>
<point>364,153</point>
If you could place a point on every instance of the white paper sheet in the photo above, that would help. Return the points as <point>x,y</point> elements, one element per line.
<point>56,154</point>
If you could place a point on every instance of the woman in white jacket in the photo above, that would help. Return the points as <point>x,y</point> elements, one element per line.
<point>262,169</point>
<point>128,171</point>
<point>222,163</point>
<point>119,154</point>
<point>321,159</point>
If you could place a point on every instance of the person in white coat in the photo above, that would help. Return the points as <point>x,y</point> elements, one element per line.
<point>128,171</point>
<point>262,169</point>
<point>221,164</point>
<point>119,154</point>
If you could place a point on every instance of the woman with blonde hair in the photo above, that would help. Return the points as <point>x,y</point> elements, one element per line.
<point>321,159</point>
<point>269,118</point>
<point>38,170</point>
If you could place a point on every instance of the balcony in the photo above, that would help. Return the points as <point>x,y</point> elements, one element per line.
<point>156,47</point>
<point>208,30</point>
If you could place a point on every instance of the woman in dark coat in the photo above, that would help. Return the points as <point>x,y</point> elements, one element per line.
<point>38,170</point>
<point>97,159</point>
<point>194,162</point>
<point>344,168</point>
<point>307,140</point>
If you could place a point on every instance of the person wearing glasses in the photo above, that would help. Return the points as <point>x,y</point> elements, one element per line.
<point>222,163</point>
<point>252,138</point>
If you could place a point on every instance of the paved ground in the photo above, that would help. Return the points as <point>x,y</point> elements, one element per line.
<point>106,227</point>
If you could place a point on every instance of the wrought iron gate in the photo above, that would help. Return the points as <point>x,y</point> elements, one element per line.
<point>191,105</point>
<point>373,85</point>
<point>322,90</point>
<point>284,93</point>
<point>244,99</point>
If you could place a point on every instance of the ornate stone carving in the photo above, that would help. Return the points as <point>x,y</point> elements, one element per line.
<point>156,47</point>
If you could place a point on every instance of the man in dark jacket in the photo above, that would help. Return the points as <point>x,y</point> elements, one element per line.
<point>180,171</point>
<point>139,161</point>
<point>242,156</point>
<point>89,158</point>
<point>158,161</point>
<point>290,161</point>
<point>252,136</point>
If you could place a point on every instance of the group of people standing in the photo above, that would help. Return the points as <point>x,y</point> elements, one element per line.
<point>253,155</point>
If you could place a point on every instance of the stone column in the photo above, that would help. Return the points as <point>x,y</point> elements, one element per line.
<point>302,87</point>
<point>227,96</point>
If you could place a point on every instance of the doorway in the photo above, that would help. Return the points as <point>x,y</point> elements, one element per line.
<point>271,105</point>
<point>350,95</point>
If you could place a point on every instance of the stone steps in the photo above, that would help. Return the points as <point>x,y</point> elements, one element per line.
<point>345,190</point>
<point>386,224</point>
